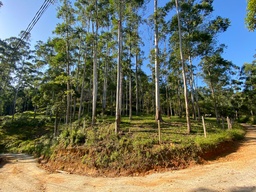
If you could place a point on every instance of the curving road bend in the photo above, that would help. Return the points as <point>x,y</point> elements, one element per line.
<point>233,173</point>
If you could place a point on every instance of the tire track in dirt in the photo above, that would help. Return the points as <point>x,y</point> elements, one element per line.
<point>234,172</point>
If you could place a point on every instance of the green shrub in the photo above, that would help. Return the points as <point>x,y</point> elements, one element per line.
<point>21,122</point>
<point>78,137</point>
<point>237,134</point>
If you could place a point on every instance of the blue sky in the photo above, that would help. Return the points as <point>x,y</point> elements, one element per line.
<point>15,15</point>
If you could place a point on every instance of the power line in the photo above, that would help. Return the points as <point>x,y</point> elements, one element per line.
<point>35,19</point>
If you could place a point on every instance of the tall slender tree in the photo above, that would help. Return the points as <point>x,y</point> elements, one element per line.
<point>157,89</point>
<point>95,66</point>
<point>217,73</point>
<point>183,71</point>
<point>66,13</point>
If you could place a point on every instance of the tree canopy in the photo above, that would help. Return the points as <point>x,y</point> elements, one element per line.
<point>251,15</point>
<point>94,65</point>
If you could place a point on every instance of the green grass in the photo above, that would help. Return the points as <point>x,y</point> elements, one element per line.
<point>137,148</point>
<point>24,133</point>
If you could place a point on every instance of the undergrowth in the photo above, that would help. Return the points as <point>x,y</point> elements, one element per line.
<point>135,149</point>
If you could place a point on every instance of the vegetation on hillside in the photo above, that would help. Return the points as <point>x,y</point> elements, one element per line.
<point>87,89</point>
<point>135,150</point>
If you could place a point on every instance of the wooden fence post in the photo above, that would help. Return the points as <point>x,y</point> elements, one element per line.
<point>204,126</point>
<point>229,123</point>
<point>159,131</point>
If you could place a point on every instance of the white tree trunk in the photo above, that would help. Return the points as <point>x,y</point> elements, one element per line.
<point>118,86</point>
<point>95,71</point>
<point>183,71</point>
<point>137,84</point>
<point>157,94</point>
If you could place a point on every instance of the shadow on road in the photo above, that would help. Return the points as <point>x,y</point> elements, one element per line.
<point>235,189</point>
<point>13,158</point>
<point>3,161</point>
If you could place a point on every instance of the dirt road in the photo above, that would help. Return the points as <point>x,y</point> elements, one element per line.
<point>233,173</point>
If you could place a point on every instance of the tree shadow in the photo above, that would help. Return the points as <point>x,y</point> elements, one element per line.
<point>3,161</point>
<point>235,189</point>
<point>15,157</point>
<point>202,189</point>
<point>243,189</point>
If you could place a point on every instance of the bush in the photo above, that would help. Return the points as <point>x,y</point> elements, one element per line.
<point>78,137</point>
<point>217,138</point>
<point>23,122</point>
<point>244,119</point>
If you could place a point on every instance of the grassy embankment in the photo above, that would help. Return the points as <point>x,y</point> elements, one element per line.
<point>80,147</point>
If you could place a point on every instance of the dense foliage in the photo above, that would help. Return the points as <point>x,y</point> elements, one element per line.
<point>93,70</point>
<point>74,74</point>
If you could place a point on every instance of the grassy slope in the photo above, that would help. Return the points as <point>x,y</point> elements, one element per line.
<point>134,151</point>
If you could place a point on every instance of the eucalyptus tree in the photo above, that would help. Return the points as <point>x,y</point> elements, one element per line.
<point>132,45</point>
<point>198,30</point>
<point>174,84</point>
<point>157,56</point>
<point>7,67</point>
<point>217,73</point>
<point>183,69</point>
<point>250,19</point>
<point>51,85</point>
<point>52,92</point>
<point>106,45</point>
<point>119,8</point>
<point>248,74</point>
<point>194,17</point>
<point>85,44</point>
<point>20,60</point>
<point>65,30</point>
<point>93,17</point>
<point>119,13</point>
<point>157,93</point>
<point>95,28</point>
<point>103,15</point>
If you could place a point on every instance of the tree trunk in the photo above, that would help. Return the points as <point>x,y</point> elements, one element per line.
<point>74,108</point>
<point>82,93</point>
<point>14,103</point>
<point>130,96</point>
<point>179,101</point>
<point>183,72</point>
<point>118,87</point>
<point>95,70</point>
<point>121,87</point>
<point>215,101</point>
<point>35,109</point>
<point>68,75</point>
<point>197,103</point>
<point>137,84</point>
<point>130,82</point>
<point>105,86</point>
<point>157,93</point>
<point>56,125</point>
<point>167,101</point>
<point>192,89</point>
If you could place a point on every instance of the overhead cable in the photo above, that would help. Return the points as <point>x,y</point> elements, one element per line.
<point>35,19</point>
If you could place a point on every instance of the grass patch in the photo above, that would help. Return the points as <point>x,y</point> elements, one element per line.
<point>135,150</point>
<point>24,134</point>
